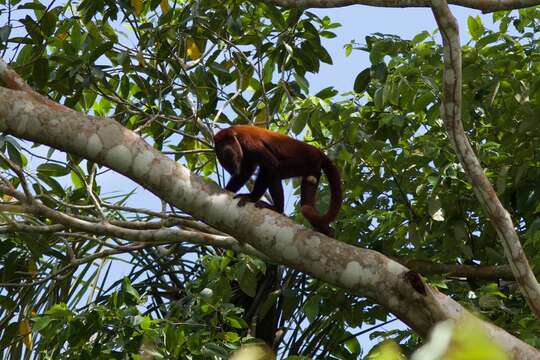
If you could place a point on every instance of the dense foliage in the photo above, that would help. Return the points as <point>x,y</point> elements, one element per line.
<point>175,71</point>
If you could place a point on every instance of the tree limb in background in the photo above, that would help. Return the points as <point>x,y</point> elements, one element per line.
<point>359,271</point>
<point>451,113</point>
<point>484,5</point>
<point>458,270</point>
<point>158,236</point>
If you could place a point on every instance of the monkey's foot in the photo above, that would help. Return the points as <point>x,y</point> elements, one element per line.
<point>264,205</point>
<point>244,199</point>
<point>325,229</point>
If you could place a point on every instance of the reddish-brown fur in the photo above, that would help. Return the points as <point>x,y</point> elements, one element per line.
<point>241,148</point>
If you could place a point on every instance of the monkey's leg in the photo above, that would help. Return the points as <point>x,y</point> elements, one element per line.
<point>238,180</point>
<point>261,184</point>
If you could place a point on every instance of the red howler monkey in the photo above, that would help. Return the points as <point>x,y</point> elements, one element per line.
<point>241,148</point>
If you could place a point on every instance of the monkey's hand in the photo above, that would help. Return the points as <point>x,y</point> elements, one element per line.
<point>244,199</point>
<point>325,229</point>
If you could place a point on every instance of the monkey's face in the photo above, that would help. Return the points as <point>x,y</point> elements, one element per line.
<point>230,156</point>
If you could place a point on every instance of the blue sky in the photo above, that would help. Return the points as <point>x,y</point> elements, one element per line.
<point>359,21</point>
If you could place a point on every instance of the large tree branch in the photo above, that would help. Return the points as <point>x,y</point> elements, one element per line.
<point>451,113</point>
<point>484,5</point>
<point>367,272</point>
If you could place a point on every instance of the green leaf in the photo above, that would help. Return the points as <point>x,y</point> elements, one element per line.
<point>324,105</point>
<point>100,50</point>
<point>464,340</point>
<point>348,49</point>
<point>290,303</point>
<point>231,336</point>
<point>127,288</point>
<point>460,231</point>
<point>328,92</point>
<point>48,23</point>
<point>299,122</point>
<point>386,92</point>
<point>435,208</point>
<point>311,307</point>
<point>53,169</point>
<point>32,6</point>
<point>60,312</point>
<point>76,36</point>
<point>270,300</point>
<point>55,186</point>
<point>246,279</point>
<point>145,323</point>
<point>268,71</point>
<point>362,80</point>
<point>40,71</point>
<point>40,323</point>
<point>423,100</point>
<point>10,332</point>
<point>236,322</point>
<point>393,93</point>
<point>488,39</point>
<point>302,82</point>
<point>15,155</point>
<point>4,33</point>
<point>24,55</point>
<point>328,34</point>
<point>33,29</point>
<point>324,56</point>
<point>213,350</point>
<point>379,72</point>
<point>353,346</point>
<point>76,180</point>
<point>376,54</point>
<point>275,15</point>
<point>476,29</point>
<point>7,303</point>
<point>420,37</point>
<point>378,98</point>
<point>387,350</point>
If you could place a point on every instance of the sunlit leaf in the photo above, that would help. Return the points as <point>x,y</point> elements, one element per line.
<point>388,350</point>
<point>193,51</point>
<point>435,208</point>
<point>25,332</point>
<point>164,5</point>
<point>137,6</point>
<point>257,351</point>
<point>475,26</point>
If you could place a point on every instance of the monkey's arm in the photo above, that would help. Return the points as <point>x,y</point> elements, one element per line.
<point>238,180</point>
<point>268,177</point>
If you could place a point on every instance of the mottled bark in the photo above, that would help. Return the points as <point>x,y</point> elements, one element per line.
<point>27,116</point>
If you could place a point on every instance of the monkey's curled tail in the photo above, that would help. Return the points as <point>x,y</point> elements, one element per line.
<point>318,221</point>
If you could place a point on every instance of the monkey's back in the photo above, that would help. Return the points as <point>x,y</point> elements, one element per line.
<point>295,156</point>
<point>281,143</point>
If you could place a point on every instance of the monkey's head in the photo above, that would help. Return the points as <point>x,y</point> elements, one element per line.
<point>229,151</point>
